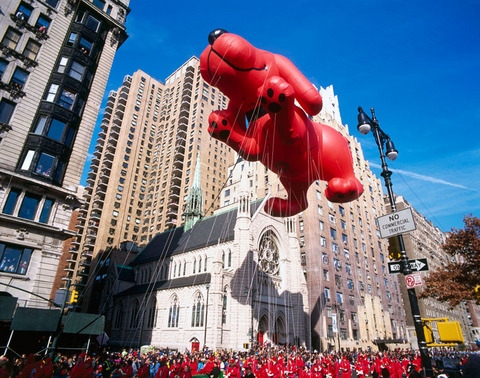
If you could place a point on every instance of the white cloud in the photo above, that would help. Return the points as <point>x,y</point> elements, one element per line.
<point>424,177</point>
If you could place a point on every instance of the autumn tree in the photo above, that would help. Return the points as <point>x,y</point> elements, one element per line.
<point>460,279</point>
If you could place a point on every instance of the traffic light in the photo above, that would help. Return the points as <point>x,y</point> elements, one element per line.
<point>450,332</point>
<point>394,248</point>
<point>73,297</point>
<point>476,293</point>
<point>427,330</point>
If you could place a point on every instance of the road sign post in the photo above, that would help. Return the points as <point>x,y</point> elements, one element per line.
<point>396,223</point>
<point>417,265</point>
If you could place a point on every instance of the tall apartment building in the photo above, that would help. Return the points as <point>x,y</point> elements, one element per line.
<point>55,58</point>
<point>426,242</point>
<point>152,135</point>
<point>353,301</point>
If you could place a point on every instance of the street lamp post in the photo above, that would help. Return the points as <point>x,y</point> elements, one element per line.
<point>365,124</point>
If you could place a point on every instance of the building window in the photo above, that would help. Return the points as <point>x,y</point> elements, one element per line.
<point>323,241</point>
<point>92,23</point>
<point>327,293</point>
<point>14,259</point>
<point>333,233</point>
<point>330,331</point>
<point>85,45</point>
<point>11,201</point>
<point>118,317</point>
<point>52,92</point>
<point>224,306</point>
<point>3,65</point>
<point>173,313</point>
<point>31,49</point>
<point>24,12</point>
<point>198,311</point>
<point>11,38</point>
<point>71,39</point>
<point>29,206</point>
<point>52,3</point>
<point>19,78</point>
<point>62,65</point>
<point>67,98</point>
<point>77,70</point>
<point>6,110</point>
<point>43,21</point>
<point>151,314</point>
<point>326,276</point>
<point>46,210</point>
<point>45,164</point>
<point>339,298</point>
<point>99,3</point>
<point>55,129</point>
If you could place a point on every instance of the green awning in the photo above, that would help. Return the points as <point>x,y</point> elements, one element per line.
<point>7,307</point>
<point>85,324</point>
<point>35,319</point>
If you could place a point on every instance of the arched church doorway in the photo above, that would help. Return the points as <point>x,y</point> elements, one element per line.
<point>195,344</point>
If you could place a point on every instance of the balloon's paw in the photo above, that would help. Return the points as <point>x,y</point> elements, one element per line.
<point>343,190</point>
<point>279,207</point>
<point>219,126</point>
<point>275,95</point>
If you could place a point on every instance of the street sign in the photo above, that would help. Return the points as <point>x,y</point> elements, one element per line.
<point>417,265</point>
<point>413,280</point>
<point>396,223</point>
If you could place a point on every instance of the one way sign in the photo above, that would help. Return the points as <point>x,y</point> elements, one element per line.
<point>417,265</point>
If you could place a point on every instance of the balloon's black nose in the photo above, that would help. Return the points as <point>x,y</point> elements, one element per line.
<point>212,37</point>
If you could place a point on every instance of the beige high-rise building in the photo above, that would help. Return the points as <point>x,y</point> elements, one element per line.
<point>353,301</point>
<point>55,58</point>
<point>153,134</point>
<point>426,243</point>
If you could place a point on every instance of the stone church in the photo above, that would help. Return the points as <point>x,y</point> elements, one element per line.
<point>223,282</point>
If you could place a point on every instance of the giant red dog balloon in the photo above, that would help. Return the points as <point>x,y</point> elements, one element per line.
<point>262,88</point>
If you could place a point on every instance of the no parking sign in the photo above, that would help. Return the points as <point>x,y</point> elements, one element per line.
<point>413,280</point>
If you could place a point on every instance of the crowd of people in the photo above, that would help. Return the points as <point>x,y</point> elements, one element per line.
<point>260,362</point>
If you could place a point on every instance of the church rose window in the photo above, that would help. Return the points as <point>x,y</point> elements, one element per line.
<point>268,254</point>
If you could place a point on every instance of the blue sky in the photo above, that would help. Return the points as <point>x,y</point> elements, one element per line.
<point>416,62</point>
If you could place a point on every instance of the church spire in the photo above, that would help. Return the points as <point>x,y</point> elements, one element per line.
<point>193,212</point>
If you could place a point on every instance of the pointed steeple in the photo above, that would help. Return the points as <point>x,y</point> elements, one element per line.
<point>193,212</point>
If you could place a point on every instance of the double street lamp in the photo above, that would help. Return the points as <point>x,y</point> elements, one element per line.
<point>365,124</point>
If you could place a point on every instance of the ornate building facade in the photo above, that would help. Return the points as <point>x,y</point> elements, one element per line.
<point>55,58</point>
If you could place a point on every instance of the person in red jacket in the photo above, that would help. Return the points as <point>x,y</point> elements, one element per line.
<point>186,372</point>
<point>358,367</point>
<point>4,372</point>
<point>397,368</point>
<point>299,363</point>
<point>162,371</point>
<point>30,367</point>
<point>208,367</point>
<point>233,370</point>
<point>143,371</point>
<point>345,367</point>
<point>175,368</point>
<point>291,368</point>
<point>127,370</point>
<point>417,363</point>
